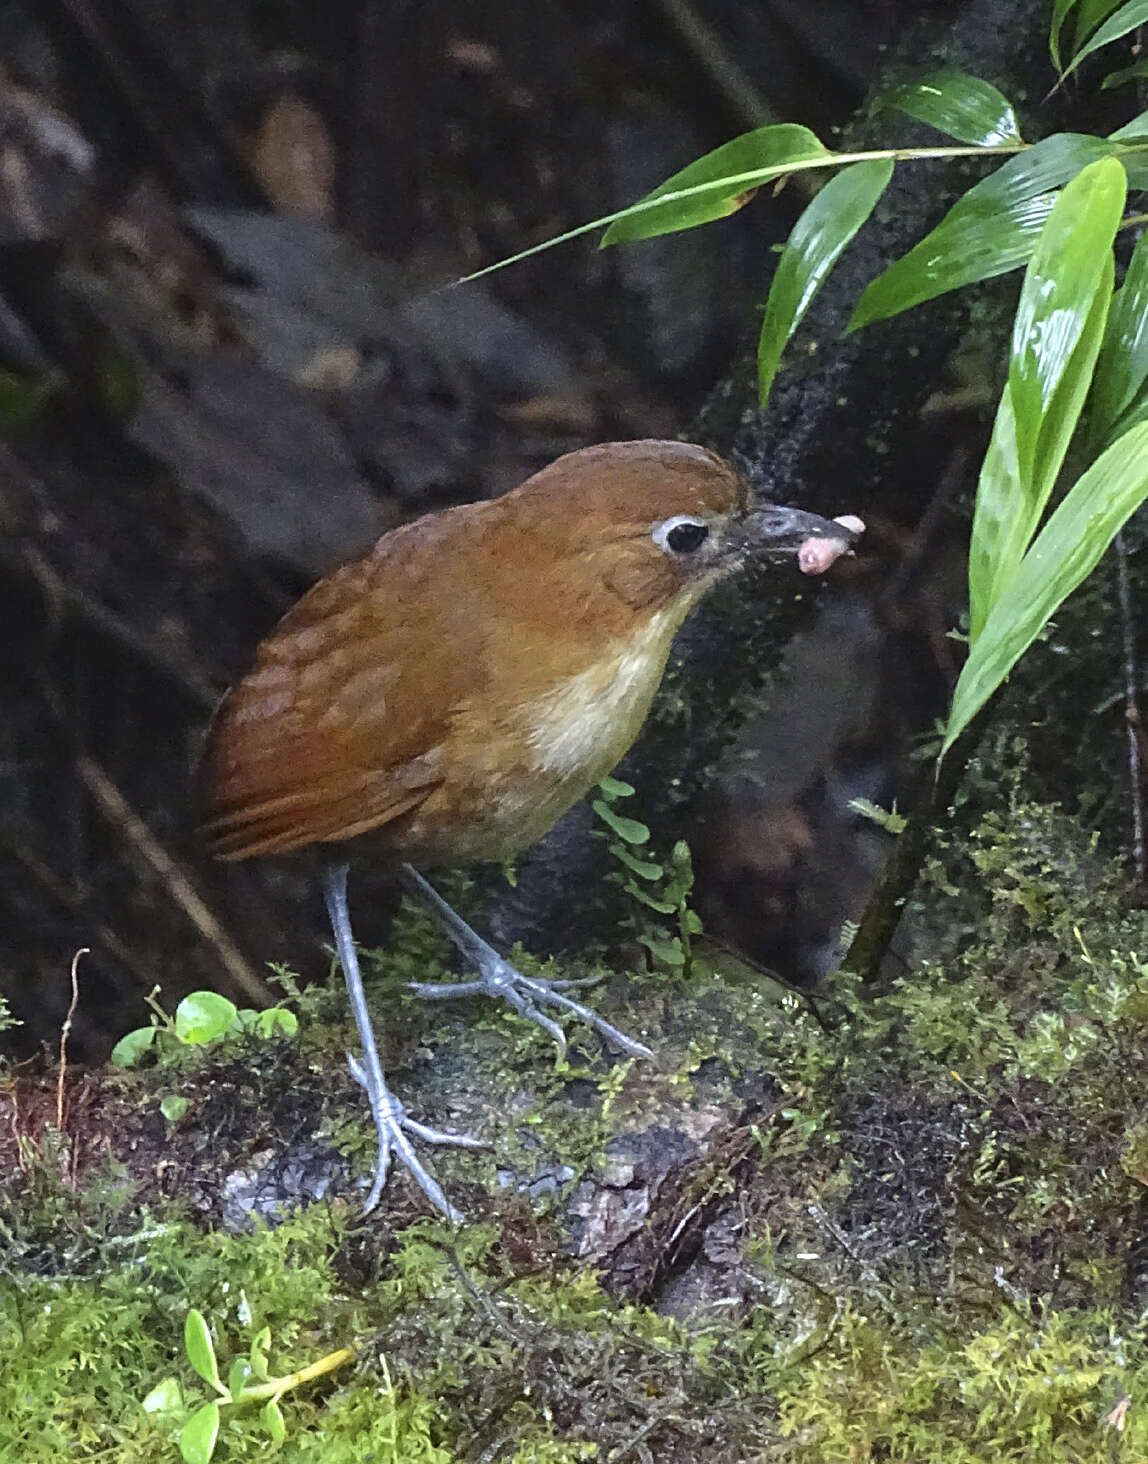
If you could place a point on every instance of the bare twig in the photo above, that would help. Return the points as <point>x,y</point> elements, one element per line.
<point>119,811</point>
<point>1131,708</point>
<point>65,1032</point>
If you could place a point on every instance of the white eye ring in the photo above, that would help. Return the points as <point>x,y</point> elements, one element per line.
<point>670,537</point>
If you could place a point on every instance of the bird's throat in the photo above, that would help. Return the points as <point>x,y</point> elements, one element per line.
<point>582,726</point>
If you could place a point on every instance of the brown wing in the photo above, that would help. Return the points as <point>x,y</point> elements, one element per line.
<point>340,724</point>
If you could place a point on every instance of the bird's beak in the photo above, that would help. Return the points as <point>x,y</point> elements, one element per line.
<point>777,531</point>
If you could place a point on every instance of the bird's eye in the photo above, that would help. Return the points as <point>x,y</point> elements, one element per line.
<point>681,535</point>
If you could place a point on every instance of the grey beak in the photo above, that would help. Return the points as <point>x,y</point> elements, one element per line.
<point>774,529</point>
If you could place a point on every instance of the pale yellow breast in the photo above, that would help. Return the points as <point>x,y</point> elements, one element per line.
<point>580,728</point>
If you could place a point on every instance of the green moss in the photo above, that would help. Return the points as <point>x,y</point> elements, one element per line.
<point>935,1218</point>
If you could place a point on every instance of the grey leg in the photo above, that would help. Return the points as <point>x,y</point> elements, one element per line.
<point>497,977</point>
<point>390,1117</point>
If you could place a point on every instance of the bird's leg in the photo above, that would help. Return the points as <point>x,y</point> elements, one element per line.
<point>497,977</point>
<point>390,1117</point>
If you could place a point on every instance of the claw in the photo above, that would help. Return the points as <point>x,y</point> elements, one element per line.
<point>497,977</point>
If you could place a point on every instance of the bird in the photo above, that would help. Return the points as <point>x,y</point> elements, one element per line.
<point>443,699</point>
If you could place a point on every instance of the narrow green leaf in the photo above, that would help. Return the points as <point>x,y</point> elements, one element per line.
<point>1000,496</point>
<point>663,907</point>
<point>1127,18</point>
<point>199,1348</point>
<point>1062,280</point>
<point>204,1016</point>
<point>1137,128</point>
<point>814,246</point>
<point>735,169</point>
<point>952,101</point>
<point>132,1046</point>
<point>1060,11</point>
<point>1065,552</point>
<point>628,829</point>
<point>1056,337</point>
<point>1124,75</point>
<point>987,232</point>
<point>1122,366</point>
<point>199,1434</point>
<point>271,1417</point>
<point>615,788</point>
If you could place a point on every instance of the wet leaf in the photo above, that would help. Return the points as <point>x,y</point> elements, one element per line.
<point>727,175</point>
<point>813,247</point>
<point>963,106</point>
<point>1056,338</point>
<point>990,230</point>
<point>1064,553</point>
<point>1123,362</point>
<point>1127,18</point>
<point>1124,75</point>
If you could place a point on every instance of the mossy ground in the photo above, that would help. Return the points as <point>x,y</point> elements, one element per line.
<point>918,1231</point>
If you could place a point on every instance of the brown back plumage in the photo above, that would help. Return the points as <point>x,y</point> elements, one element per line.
<point>392,697</point>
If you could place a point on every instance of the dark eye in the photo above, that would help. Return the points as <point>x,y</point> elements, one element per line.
<point>687,537</point>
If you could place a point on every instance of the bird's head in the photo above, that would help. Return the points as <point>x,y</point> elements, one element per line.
<point>660,522</point>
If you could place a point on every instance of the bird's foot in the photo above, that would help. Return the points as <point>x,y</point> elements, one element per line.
<point>392,1124</point>
<point>497,977</point>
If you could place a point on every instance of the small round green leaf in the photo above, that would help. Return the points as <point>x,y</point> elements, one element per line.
<point>277,1022</point>
<point>669,952</point>
<point>237,1376</point>
<point>132,1046</point>
<point>200,1349</point>
<point>174,1106</point>
<point>204,1016</point>
<point>199,1434</point>
<point>165,1397</point>
<point>627,829</point>
<point>260,1346</point>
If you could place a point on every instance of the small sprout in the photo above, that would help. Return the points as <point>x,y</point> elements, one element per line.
<point>886,818</point>
<point>247,1383</point>
<point>174,1107</point>
<point>668,883</point>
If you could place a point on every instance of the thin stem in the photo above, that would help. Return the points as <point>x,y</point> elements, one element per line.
<point>736,183</point>
<point>276,1386</point>
<point>1131,708</point>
